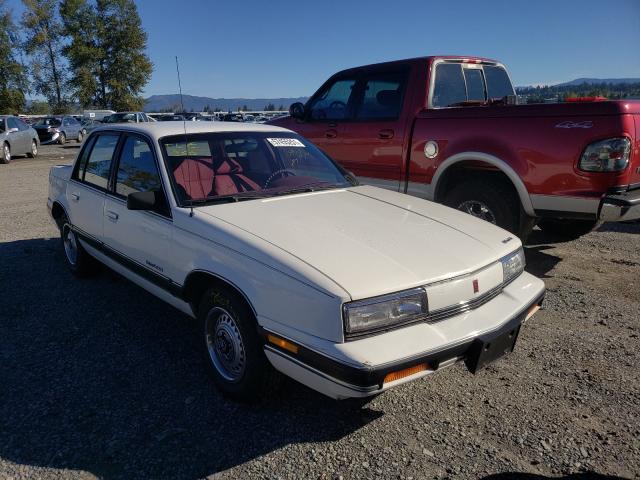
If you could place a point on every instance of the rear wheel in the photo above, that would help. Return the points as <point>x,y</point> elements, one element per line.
<point>34,150</point>
<point>566,230</point>
<point>62,139</point>
<point>232,347</point>
<point>78,260</point>
<point>6,153</point>
<point>487,199</point>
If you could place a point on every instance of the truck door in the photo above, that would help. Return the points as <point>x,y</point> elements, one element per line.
<point>372,143</point>
<point>327,112</point>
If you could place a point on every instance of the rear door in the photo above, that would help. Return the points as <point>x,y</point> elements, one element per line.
<point>327,113</point>
<point>373,142</point>
<point>89,183</point>
<point>140,239</point>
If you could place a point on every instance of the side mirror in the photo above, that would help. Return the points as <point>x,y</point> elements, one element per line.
<point>152,200</point>
<point>12,130</point>
<point>296,110</point>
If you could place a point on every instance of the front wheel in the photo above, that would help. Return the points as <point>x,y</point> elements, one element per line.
<point>34,150</point>
<point>6,153</point>
<point>62,139</point>
<point>79,139</point>
<point>78,260</point>
<point>566,230</point>
<point>232,347</point>
<point>488,200</point>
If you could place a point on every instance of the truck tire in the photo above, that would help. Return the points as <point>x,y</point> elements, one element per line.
<point>233,349</point>
<point>566,230</point>
<point>489,199</point>
<point>78,260</point>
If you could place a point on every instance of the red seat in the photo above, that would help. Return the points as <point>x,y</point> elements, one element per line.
<point>229,179</point>
<point>196,176</point>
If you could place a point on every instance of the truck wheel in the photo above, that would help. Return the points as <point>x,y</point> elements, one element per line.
<point>487,199</point>
<point>6,153</point>
<point>566,230</point>
<point>233,349</point>
<point>34,150</point>
<point>78,260</point>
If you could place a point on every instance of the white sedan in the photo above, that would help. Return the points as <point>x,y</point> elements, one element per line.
<point>286,262</point>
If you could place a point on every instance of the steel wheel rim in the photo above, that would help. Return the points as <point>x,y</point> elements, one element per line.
<point>479,210</point>
<point>7,152</point>
<point>225,345</point>
<point>70,244</point>
<point>34,149</point>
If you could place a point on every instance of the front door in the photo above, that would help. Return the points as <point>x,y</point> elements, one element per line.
<point>139,239</point>
<point>372,144</point>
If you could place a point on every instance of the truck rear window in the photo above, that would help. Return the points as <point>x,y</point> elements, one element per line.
<point>456,84</point>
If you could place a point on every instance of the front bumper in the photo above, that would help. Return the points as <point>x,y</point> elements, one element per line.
<point>47,139</point>
<point>339,379</point>
<point>620,207</point>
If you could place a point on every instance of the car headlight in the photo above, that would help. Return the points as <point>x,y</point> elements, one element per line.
<point>610,155</point>
<point>385,311</point>
<point>512,265</point>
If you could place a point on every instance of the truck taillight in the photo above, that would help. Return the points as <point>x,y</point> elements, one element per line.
<point>610,155</point>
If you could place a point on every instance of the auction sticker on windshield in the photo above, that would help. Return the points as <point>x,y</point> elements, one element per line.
<point>285,142</point>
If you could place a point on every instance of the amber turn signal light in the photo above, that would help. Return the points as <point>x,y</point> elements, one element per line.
<point>393,376</point>
<point>282,343</point>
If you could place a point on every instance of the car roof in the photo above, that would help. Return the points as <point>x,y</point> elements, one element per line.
<point>158,130</point>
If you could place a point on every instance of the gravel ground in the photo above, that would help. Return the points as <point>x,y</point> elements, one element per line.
<point>98,379</point>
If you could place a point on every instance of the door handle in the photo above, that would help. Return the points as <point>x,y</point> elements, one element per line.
<point>112,215</point>
<point>75,197</point>
<point>386,133</point>
<point>331,133</point>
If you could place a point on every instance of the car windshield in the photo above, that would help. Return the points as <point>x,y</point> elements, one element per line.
<point>121,118</point>
<point>49,122</point>
<point>234,166</point>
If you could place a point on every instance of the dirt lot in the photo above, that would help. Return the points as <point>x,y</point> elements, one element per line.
<point>100,379</point>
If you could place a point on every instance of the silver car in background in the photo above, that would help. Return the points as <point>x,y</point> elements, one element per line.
<point>16,138</point>
<point>58,129</point>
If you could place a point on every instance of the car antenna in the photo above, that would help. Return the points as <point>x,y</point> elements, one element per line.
<point>184,122</point>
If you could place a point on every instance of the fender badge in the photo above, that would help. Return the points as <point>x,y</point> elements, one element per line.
<point>570,124</point>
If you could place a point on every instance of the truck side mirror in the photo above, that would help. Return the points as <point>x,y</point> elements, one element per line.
<point>296,110</point>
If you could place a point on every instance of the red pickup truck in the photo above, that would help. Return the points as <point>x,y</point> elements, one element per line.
<point>448,129</point>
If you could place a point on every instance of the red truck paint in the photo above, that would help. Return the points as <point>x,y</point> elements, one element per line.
<point>532,149</point>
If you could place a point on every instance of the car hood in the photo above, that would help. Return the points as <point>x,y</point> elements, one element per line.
<point>370,241</point>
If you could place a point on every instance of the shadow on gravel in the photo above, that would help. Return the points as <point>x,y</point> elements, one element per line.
<point>540,263</point>
<point>98,375</point>
<point>532,476</point>
<point>620,227</point>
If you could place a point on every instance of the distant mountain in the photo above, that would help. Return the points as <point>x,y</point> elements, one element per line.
<point>156,103</point>
<point>597,81</point>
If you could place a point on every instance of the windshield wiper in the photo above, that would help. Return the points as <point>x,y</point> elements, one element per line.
<point>231,198</point>
<point>309,187</point>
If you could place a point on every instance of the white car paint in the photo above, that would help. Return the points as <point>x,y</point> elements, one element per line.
<point>299,258</point>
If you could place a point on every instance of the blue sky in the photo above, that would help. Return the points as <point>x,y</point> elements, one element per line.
<point>283,48</point>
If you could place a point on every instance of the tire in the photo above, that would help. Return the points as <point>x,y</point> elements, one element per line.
<point>232,348</point>
<point>79,139</point>
<point>78,260</point>
<point>6,153</point>
<point>489,199</point>
<point>62,139</point>
<point>566,230</point>
<point>34,150</point>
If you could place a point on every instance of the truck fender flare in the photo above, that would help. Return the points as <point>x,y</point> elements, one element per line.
<point>503,166</point>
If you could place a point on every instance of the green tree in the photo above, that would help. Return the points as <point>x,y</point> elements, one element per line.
<point>106,53</point>
<point>13,81</point>
<point>43,44</point>
<point>36,107</point>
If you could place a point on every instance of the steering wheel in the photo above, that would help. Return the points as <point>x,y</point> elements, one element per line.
<point>283,171</point>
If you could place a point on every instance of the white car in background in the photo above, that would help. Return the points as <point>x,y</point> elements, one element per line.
<point>287,264</point>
